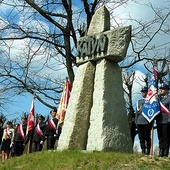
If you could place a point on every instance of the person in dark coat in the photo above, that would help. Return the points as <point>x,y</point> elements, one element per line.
<point>19,137</point>
<point>132,125</point>
<point>143,126</point>
<point>53,130</point>
<point>38,135</point>
<point>162,120</point>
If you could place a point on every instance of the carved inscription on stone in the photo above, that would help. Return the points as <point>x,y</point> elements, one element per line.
<point>91,46</point>
<point>110,44</point>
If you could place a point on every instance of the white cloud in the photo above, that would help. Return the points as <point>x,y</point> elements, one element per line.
<point>139,11</point>
<point>38,26</point>
<point>19,51</point>
<point>132,13</point>
<point>3,23</point>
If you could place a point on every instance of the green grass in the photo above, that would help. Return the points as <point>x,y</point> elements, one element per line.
<point>75,160</point>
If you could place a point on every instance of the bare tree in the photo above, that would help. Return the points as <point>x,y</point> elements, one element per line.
<point>128,79</point>
<point>44,35</point>
<point>49,32</point>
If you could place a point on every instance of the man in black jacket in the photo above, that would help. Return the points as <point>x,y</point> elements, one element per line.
<point>38,135</point>
<point>53,130</point>
<point>19,137</point>
<point>162,120</point>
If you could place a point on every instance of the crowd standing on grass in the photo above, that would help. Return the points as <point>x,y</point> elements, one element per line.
<point>15,138</point>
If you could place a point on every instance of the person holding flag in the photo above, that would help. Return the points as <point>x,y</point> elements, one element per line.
<point>30,127</point>
<point>162,120</point>
<point>151,106</point>
<point>143,125</point>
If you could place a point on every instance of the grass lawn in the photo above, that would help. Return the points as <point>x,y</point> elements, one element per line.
<point>75,160</point>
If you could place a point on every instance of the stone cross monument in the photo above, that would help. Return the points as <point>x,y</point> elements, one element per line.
<point>96,117</point>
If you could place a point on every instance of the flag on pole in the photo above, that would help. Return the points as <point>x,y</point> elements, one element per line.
<point>64,102</point>
<point>151,107</point>
<point>30,127</point>
<point>30,122</point>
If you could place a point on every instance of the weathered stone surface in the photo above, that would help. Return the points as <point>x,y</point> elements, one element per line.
<point>96,117</point>
<point>100,21</point>
<point>89,48</point>
<point>76,123</point>
<point>108,129</point>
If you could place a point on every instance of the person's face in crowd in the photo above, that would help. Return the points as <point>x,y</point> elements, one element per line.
<point>9,125</point>
<point>163,92</point>
<point>24,121</point>
<point>53,113</point>
<point>40,121</point>
<point>144,94</point>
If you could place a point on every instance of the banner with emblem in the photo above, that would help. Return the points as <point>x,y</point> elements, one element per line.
<point>151,107</point>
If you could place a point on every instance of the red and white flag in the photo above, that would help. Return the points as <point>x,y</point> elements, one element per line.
<point>30,122</point>
<point>64,102</point>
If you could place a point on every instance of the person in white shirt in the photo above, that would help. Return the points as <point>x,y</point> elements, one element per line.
<point>7,140</point>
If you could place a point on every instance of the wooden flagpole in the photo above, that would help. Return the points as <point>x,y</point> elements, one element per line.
<point>152,139</point>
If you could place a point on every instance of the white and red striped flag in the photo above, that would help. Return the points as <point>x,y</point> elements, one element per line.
<point>30,122</point>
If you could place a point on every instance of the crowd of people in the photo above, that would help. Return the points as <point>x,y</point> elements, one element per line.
<point>16,138</point>
<point>162,122</point>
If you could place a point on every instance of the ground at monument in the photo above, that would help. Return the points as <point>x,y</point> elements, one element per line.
<point>73,160</point>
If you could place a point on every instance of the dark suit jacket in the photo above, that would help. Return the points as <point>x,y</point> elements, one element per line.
<point>163,118</point>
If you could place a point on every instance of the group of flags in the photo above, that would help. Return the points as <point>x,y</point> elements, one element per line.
<point>61,109</point>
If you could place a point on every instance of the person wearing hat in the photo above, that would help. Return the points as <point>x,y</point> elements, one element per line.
<point>143,126</point>
<point>53,130</point>
<point>19,137</point>
<point>7,140</point>
<point>162,120</point>
<point>38,136</point>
